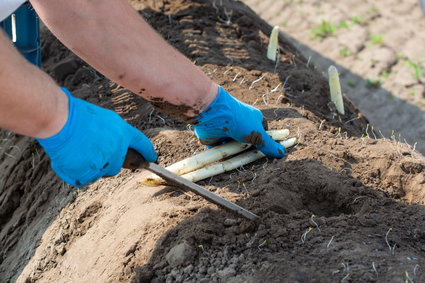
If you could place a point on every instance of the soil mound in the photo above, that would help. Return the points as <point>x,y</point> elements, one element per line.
<point>343,205</point>
<point>377,48</point>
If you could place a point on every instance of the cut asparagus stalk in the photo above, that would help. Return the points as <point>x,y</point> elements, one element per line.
<point>215,169</point>
<point>217,153</point>
<point>335,88</point>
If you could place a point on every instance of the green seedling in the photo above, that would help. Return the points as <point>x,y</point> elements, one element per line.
<point>343,24</point>
<point>344,52</point>
<point>400,56</point>
<point>374,10</point>
<point>373,83</point>
<point>393,136</point>
<point>358,20</point>
<point>351,83</point>
<point>376,39</point>
<point>385,74</point>
<point>418,69</point>
<point>323,30</point>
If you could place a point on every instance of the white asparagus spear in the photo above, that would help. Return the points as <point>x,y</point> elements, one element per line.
<point>215,169</point>
<point>217,153</point>
<point>273,44</point>
<point>335,89</point>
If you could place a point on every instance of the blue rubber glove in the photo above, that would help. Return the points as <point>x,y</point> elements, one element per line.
<point>226,117</point>
<point>93,143</point>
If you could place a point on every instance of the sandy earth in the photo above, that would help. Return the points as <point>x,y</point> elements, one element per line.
<point>380,41</point>
<point>343,205</point>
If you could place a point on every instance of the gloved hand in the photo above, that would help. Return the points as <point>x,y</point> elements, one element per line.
<point>226,117</point>
<point>93,143</point>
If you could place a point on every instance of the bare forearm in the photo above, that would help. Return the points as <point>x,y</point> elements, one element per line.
<point>30,102</point>
<point>114,39</point>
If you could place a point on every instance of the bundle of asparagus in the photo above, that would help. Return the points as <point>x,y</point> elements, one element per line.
<point>206,164</point>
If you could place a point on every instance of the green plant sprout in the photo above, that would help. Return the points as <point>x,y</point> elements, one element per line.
<point>351,83</point>
<point>344,52</point>
<point>376,39</point>
<point>385,74</point>
<point>343,24</point>
<point>358,20</point>
<point>393,136</point>
<point>400,56</point>
<point>373,10</point>
<point>323,30</point>
<point>373,83</point>
<point>418,69</point>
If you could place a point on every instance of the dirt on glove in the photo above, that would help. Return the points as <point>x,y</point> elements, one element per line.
<point>342,205</point>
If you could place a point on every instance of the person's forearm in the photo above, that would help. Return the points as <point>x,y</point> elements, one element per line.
<point>115,40</point>
<point>30,102</point>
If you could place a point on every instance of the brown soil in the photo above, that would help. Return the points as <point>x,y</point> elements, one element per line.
<point>378,48</point>
<point>342,205</point>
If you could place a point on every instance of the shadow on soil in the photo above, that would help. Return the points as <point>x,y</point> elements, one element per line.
<point>342,220</point>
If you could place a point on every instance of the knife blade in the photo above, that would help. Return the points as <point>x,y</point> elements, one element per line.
<point>134,160</point>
